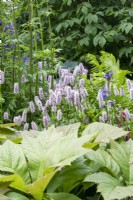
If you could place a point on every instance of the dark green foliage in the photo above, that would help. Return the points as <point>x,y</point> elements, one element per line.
<point>83,26</point>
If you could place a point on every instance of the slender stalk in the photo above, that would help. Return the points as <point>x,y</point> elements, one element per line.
<point>51,42</point>
<point>30,49</point>
<point>35,46</point>
<point>18,45</point>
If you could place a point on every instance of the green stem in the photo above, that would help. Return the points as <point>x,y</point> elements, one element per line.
<point>51,43</point>
<point>18,45</point>
<point>30,49</point>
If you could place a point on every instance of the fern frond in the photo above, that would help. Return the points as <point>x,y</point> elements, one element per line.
<point>109,62</point>
<point>120,77</point>
<point>96,67</point>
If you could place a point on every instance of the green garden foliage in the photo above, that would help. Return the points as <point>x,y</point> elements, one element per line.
<point>83,26</point>
<point>115,178</point>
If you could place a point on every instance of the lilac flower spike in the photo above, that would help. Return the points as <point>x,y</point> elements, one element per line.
<point>17,119</point>
<point>127,113</point>
<point>131,93</point>
<point>45,121</point>
<point>2,79</point>
<point>40,65</point>
<point>128,84</point>
<point>34,126</point>
<point>104,116</point>
<point>116,91</point>
<point>26,126</point>
<point>24,116</point>
<point>59,115</point>
<point>23,79</point>
<point>41,94</point>
<point>122,92</point>
<point>32,107</point>
<point>16,88</point>
<point>6,116</point>
<point>100,99</point>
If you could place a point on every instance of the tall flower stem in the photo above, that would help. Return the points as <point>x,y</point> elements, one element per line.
<point>18,45</point>
<point>30,49</point>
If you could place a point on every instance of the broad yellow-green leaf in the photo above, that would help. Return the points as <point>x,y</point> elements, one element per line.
<point>109,187</point>
<point>123,154</point>
<point>106,183</point>
<point>51,148</point>
<point>105,132</point>
<point>37,188</point>
<point>12,160</point>
<point>14,181</point>
<point>104,160</point>
<point>69,129</point>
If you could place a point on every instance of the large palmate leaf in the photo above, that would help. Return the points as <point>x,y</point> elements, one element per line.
<point>6,131</point>
<point>13,160</point>
<point>69,129</point>
<point>106,183</point>
<point>109,187</point>
<point>123,154</point>
<point>104,132</point>
<point>63,196</point>
<point>34,162</point>
<point>51,149</point>
<point>119,161</point>
<point>105,160</point>
<point>63,130</point>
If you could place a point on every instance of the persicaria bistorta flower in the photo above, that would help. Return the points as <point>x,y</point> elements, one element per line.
<point>1,77</point>
<point>41,94</point>
<point>6,116</point>
<point>34,126</point>
<point>122,91</point>
<point>104,116</point>
<point>76,98</point>
<point>26,126</point>
<point>79,69</point>
<point>128,84</point>
<point>116,91</point>
<point>17,119</point>
<point>59,115</point>
<point>40,65</point>
<point>32,107</point>
<point>131,93</point>
<point>45,121</point>
<point>24,116</point>
<point>81,82</point>
<point>127,113</point>
<point>100,99</point>
<point>16,88</point>
<point>58,97</point>
<point>38,102</point>
<point>23,79</point>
